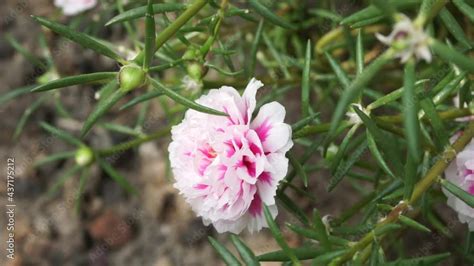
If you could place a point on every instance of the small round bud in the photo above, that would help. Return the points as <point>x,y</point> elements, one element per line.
<point>331,152</point>
<point>195,70</point>
<point>84,156</point>
<point>131,77</point>
<point>192,54</point>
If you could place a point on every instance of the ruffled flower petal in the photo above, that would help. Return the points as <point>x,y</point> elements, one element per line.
<point>227,167</point>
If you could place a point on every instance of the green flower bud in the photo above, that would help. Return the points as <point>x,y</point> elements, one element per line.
<point>84,156</point>
<point>331,152</point>
<point>192,54</point>
<point>131,77</point>
<point>195,71</point>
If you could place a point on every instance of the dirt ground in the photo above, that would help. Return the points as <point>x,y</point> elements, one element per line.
<point>113,228</point>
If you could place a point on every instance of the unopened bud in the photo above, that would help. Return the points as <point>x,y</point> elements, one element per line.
<point>84,156</point>
<point>131,77</point>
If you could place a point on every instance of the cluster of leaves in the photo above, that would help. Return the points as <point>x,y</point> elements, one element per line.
<point>398,146</point>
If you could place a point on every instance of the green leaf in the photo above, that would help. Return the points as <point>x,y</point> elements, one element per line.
<point>84,40</point>
<point>141,98</point>
<point>121,129</point>
<point>223,71</point>
<point>223,252</point>
<point>183,100</point>
<point>5,98</point>
<point>410,112</point>
<point>141,12</point>
<point>27,114</point>
<point>428,10</point>
<point>290,206</point>
<point>243,13</point>
<point>427,260</point>
<point>269,15</point>
<point>276,54</point>
<point>302,253</point>
<point>304,122</point>
<point>340,73</point>
<point>359,52</point>
<point>442,137</point>
<point>305,80</point>
<point>61,134</point>
<point>411,167</point>
<point>386,143</point>
<point>320,229</point>
<point>367,22</point>
<point>245,252</point>
<point>341,151</point>
<point>162,67</point>
<point>76,80</point>
<point>454,28</point>
<point>414,224</point>
<point>382,230</point>
<point>55,157</point>
<point>298,168</point>
<point>102,107</point>
<point>60,181</point>
<point>447,91</point>
<point>323,259</point>
<point>345,166</point>
<point>149,36</point>
<point>393,96</point>
<point>458,192</point>
<point>371,11</point>
<point>278,236</point>
<point>27,54</point>
<point>386,7</point>
<point>378,155</point>
<point>366,13</point>
<point>377,256</point>
<point>324,13</point>
<point>356,87</point>
<point>80,191</point>
<point>465,8</point>
<point>106,90</point>
<point>449,54</point>
<point>122,181</point>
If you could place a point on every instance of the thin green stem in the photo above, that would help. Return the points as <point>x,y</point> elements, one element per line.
<point>221,14</point>
<point>121,147</point>
<point>174,27</point>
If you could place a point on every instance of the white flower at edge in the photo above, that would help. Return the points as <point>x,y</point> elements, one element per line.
<point>74,7</point>
<point>461,173</point>
<point>408,40</point>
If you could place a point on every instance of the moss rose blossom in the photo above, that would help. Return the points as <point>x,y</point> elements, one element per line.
<point>461,173</point>
<point>227,167</point>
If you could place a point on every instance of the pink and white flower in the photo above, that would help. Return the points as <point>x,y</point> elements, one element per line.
<point>74,7</point>
<point>227,167</point>
<point>461,173</point>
